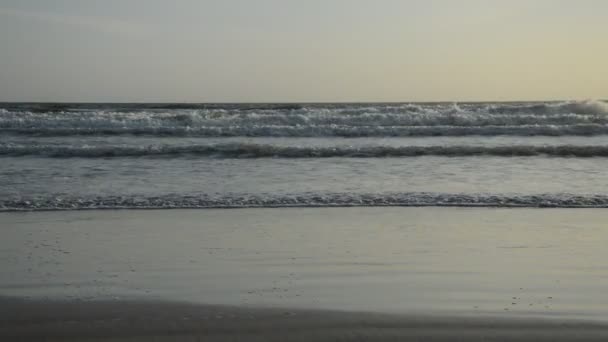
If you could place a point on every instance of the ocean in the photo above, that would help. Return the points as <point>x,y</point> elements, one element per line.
<point>463,210</point>
<point>66,156</point>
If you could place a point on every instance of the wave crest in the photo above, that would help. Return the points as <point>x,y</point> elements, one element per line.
<point>324,131</point>
<point>566,118</point>
<point>407,199</point>
<point>587,107</point>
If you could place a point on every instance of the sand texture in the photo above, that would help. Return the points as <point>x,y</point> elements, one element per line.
<point>149,321</point>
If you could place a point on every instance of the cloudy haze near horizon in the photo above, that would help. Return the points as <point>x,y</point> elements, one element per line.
<point>302,51</point>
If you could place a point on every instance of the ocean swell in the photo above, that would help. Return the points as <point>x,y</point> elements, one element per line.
<point>245,150</point>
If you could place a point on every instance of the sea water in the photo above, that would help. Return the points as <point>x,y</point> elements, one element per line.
<point>94,156</point>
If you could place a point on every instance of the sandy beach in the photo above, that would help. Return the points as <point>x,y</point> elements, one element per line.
<point>303,170</point>
<point>305,274</point>
<point>158,321</point>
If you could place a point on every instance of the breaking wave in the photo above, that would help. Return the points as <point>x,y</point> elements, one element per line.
<point>344,120</point>
<point>325,131</point>
<point>245,150</point>
<point>411,199</point>
<point>573,107</point>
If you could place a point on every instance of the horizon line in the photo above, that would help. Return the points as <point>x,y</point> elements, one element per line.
<point>301,102</point>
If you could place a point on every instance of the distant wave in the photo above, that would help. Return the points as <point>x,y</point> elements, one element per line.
<point>580,107</point>
<point>347,120</point>
<point>575,107</point>
<point>323,131</point>
<point>306,200</point>
<point>244,150</point>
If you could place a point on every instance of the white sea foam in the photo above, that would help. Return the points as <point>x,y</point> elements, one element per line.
<point>589,107</point>
<point>566,118</point>
<point>204,201</point>
<point>321,131</point>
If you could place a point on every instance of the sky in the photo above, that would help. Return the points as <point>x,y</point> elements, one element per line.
<point>302,50</point>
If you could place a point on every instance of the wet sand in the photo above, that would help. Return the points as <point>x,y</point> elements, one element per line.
<point>423,273</point>
<point>158,321</point>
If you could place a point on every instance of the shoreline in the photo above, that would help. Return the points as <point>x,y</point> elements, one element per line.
<point>311,206</point>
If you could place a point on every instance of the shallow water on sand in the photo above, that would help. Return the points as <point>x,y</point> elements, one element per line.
<point>409,260</point>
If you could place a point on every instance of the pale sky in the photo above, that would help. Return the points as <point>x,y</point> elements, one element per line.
<point>302,50</point>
